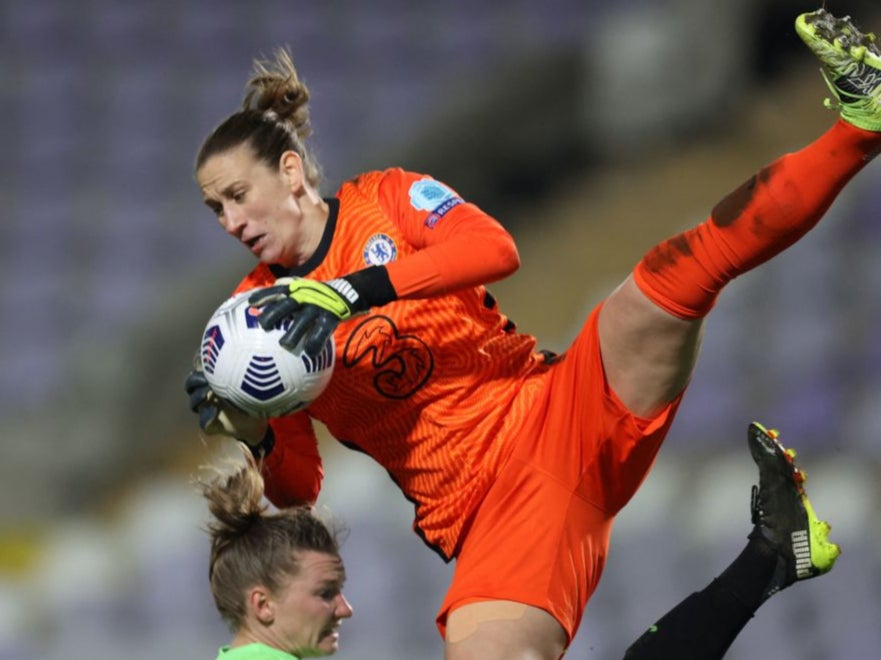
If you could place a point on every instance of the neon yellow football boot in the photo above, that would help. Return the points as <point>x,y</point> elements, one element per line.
<point>782,514</point>
<point>851,66</point>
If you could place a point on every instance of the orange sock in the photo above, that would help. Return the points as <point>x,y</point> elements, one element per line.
<point>684,274</point>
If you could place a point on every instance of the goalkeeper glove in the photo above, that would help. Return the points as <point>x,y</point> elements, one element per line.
<point>218,416</point>
<point>316,308</point>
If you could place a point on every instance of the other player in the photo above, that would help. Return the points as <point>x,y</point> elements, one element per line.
<point>277,578</point>
<point>788,543</point>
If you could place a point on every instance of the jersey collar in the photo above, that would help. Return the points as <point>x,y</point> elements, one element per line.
<point>323,247</point>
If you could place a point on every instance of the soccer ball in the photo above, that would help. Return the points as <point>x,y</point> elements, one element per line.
<point>245,364</point>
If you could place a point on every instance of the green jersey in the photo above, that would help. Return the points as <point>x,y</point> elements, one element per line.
<point>253,652</point>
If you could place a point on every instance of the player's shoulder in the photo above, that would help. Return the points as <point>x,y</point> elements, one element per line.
<point>397,189</point>
<point>391,177</point>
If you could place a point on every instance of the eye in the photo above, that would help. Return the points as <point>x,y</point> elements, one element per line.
<point>329,594</point>
<point>238,197</point>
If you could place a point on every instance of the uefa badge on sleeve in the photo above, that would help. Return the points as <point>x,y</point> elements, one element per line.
<point>427,194</point>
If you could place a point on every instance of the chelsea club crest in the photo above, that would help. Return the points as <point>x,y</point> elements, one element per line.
<point>379,249</point>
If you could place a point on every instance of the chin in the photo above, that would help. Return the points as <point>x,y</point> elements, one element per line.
<point>329,646</point>
<point>273,259</point>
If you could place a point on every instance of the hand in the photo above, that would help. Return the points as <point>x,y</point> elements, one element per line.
<point>313,308</point>
<point>219,417</point>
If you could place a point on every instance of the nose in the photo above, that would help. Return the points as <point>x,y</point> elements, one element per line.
<point>344,608</point>
<point>234,220</point>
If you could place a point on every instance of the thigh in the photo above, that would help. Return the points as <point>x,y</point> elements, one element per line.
<point>587,435</point>
<point>503,630</point>
<point>541,535</point>
<point>648,355</point>
<point>533,541</point>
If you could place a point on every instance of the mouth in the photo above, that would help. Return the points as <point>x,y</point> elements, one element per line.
<point>254,243</point>
<point>332,631</point>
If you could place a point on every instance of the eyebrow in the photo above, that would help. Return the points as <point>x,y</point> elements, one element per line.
<point>227,191</point>
<point>339,579</point>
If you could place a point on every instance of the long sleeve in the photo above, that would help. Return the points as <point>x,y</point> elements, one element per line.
<point>459,245</point>
<point>293,470</point>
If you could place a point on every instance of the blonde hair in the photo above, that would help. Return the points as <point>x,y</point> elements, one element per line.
<point>251,546</point>
<point>274,118</point>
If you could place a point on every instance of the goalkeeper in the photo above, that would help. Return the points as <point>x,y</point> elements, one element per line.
<point>517,461</point>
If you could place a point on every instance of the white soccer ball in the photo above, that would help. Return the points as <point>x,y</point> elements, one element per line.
<point>245,364</point>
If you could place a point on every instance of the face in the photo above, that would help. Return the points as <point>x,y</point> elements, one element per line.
<point>310,608</point>
<point>254,203</point>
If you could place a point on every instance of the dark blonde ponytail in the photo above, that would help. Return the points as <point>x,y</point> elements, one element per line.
<point>251,546</point>
<point>274,118</point>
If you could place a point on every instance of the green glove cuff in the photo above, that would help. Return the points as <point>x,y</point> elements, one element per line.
<point>336,296</point>
<point>346,296</point>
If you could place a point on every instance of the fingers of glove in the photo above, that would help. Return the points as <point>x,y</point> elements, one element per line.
<point>195,380</point>
<point>199,397</point>
<point>318,335</point>
<point>300,325</point>
<point>216,417</point>
<point>275,312</point>
<point>261,297</point>
<point>197,387</point>
<point>208,415</point>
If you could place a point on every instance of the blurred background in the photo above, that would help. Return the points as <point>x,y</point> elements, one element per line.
<point>590,129</point>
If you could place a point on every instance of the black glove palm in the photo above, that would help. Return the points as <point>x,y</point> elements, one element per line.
<point>314,308</point>
<point>218,416</point>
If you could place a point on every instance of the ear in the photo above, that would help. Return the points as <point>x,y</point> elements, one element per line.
<point>291,165</point>
<point>261,604</point>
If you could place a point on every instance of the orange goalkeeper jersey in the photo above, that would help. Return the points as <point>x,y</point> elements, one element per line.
<point>431,388</point>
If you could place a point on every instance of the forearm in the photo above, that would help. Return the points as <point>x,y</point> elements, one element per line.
<point>291,478</point>
<point>292,469</point>
<point>470,258</point>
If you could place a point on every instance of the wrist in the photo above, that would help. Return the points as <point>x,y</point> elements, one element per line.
<point>264,447</point>
<point>373,287</point>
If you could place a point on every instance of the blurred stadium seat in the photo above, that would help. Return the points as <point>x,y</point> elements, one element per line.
<point>111,265</point>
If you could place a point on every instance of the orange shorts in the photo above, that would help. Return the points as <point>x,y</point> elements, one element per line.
<point>541,534</point>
